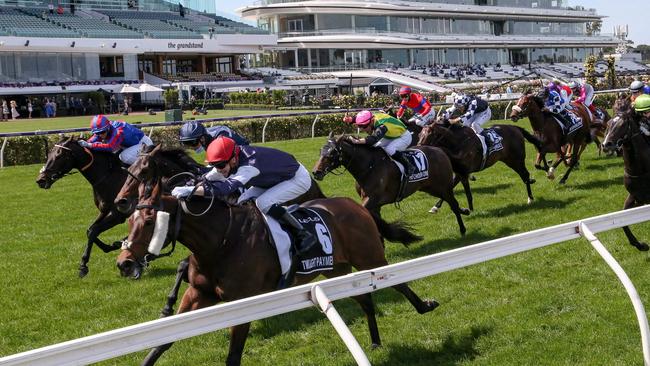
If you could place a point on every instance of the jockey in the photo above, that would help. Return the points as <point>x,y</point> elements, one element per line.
<point>475,111</point>
<point>116,136</point>
<point>585,95</point>
<point>193,135</point>
<point>272,177</point>
<point>555,104</point>
<point>419,104</point>
<point>386,132</point>
<point>636,89</point>
<point>566,92</point>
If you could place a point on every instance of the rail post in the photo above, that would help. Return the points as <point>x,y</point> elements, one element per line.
<point>264,129</point>
<point>629,287</point>
<point>505,114</point>
<point>320,299</point>
<point>2,152</point>
<point>313,126</point>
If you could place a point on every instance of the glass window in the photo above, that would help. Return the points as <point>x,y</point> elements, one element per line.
<point>224,65</point>
<point>371,23</point>
<point>7,67</point>
<point>334,21</point>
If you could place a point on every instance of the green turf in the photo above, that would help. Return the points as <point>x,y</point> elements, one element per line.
<point>43,124</point>
<point>559,305</point>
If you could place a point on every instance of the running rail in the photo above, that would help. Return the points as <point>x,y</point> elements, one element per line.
<point>146,335</point>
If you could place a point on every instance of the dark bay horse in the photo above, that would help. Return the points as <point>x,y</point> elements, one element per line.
<point>624,133</point>
<point>233,257</point>
<point>378,178</point>
<point>551,134</point>
<point>127,197</point>
<point>464,149</point>
<point>105,174</point>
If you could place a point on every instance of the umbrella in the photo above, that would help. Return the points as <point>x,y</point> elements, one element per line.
<point>126,88</point>
<point>149,88</point>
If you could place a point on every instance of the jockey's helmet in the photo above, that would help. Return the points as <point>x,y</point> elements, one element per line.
<point>574,85</point>
<point>636,86</point>
<point>461,99</point>
<point>642,103</point>
<point>646,89</point>
<point>405,92</point>
<point>551,86</point>
<point>363,119</point>
<point>191,131</point>
<point>99,124</point>
<point>221,150</point>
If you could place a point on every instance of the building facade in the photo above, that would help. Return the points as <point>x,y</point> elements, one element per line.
<point>357,34</point>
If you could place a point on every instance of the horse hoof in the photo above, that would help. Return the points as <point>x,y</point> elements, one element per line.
<point>434,210</point>
<point>562,181</point>
<point>166,312</point>
<point>465,211</point>
<point>538,167</point>
<point>375,345</point>
<point>117,245</point>
<point>530,200</point>
<point>83,271</point>
<point>532,181</point>
<point>429,305</point>
<point>643,247</point>
<point>472,178</point>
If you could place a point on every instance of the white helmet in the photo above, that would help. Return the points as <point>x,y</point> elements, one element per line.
<point>636,86</point>
<point>574,84</point>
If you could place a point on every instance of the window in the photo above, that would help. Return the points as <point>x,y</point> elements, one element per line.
<point>145,66</point>
<point>111,66</point>
<point>223,65</point>
<point>169,67</point>
<point>294,25</point>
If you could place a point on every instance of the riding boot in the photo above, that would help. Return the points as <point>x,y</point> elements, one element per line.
<point>408,170</point>
<point>304,239</point>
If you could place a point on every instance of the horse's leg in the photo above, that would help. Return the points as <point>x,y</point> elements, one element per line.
<point>457,179</point>
<point>181,275</point>
<point>192,300</point>
<point>419,305</point>
<point>455,207</point>
<point>574,161</point>
<point>368,307</point>
<point>519,166</point>
<point>91,234</point>
<point>538,160</point>
<point>468,193</point>
<point>630,202</point>
<point>238,335</point>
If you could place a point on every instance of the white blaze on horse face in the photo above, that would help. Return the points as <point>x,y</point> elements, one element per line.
<point>516,108</point>
<point>159,232</point>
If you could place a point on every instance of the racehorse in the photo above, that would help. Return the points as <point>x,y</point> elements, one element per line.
<point>464,149</point>
<point>379,179</point>
<point>233,256</point>
<point>103,170</point>
<point>624,133</point>
<point>127,197</point>
<point>551,134</point>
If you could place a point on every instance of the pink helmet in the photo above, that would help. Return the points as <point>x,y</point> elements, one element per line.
<point>405,90</point>
<point>363,118</point>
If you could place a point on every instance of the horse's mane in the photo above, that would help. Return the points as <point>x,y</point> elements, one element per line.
<point>623,106</point>
<point>177,156</point>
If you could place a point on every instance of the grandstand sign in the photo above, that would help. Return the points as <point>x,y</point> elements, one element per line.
<point>179,46</point>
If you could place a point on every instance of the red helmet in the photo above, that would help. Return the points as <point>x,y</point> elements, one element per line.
<point>405,90</point>
<point>99,124</point>
<point>222,149</point>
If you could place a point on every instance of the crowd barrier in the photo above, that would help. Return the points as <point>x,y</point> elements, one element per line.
<point>146,335</point>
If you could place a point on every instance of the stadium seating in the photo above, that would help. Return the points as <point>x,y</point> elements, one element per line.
<point>23,24</point>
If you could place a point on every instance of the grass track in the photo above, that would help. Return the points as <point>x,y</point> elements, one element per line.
<point>559,305</point>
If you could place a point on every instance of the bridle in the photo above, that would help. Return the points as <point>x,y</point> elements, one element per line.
<point>58,175</point>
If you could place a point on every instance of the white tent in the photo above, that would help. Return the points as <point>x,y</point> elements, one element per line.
<point>149,88</point>
<point>126,88</point>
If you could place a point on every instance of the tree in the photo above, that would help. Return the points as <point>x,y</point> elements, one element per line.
<point>610,75</point>
<point>590,70</point>
<point>593,28</point>
<point>171,98</point>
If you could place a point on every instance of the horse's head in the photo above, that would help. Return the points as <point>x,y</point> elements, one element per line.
<point>148,225</point>
<point>64,156</point>
<point>167,163</point>
<point>521,109</point>
<point>622,126</point>
<point>330,157</point>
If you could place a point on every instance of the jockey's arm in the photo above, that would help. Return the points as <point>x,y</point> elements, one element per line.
<point>449,112</point>
<point>402,109</point>
<point>113,143</point>
<point>232,183</point>
<point>373,138</point>
<point>583,95</point>
<point>426,106</point>
<point>471,110</point>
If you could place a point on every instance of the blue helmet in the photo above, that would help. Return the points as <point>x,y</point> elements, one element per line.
<point>99,124</point>
<point>191,131</point>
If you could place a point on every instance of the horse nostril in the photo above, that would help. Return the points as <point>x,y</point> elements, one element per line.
<point>122,205</point>
<point>125,267</point>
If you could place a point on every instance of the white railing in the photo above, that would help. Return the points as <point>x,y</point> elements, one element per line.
<point>146,335</point>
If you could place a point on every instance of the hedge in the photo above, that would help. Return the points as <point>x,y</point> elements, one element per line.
<point>32,149</point>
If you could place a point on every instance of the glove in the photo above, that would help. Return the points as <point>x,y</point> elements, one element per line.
<point>352,139</point>
<point>348,119</point>
<point>182,192</point>
<point>84,143</point>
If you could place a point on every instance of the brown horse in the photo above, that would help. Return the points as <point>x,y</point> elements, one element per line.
<point>127,198</point>
<point>466,153</point>
<point>104,172</point>
<point>551,134</point>
<point>236,259</point>
<point>379,179</point>
<point>624,132</point>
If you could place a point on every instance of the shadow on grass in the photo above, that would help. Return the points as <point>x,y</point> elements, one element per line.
<point>169,272</point>
<point>454,350</point>
<point>600,183</point>
<point>611,162</point>
<point>472,236</point>
<point>513,209</point>
<point>490,189</point>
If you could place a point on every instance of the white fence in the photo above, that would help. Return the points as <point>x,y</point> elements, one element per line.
<point>142,336</point>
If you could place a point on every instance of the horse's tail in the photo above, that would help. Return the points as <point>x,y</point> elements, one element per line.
<point>396,231</point>
<point>530,137</point>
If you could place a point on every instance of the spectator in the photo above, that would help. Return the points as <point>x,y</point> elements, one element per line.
<point>30,108</point>
<point>59,9</point>
<point>48,109</point>
<point>126,107</point>
<point>5,111</point>
<point>113,104</point>
<point>53,108</point>
<point>50,6</point>
<point>14,110</point>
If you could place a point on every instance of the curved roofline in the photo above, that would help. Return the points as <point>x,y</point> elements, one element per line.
<point>387,41</point>
<point>387,7</point>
